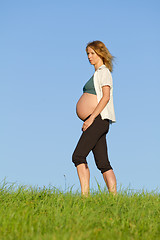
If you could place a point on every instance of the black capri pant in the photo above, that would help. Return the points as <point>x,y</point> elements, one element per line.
<point>93,138</point>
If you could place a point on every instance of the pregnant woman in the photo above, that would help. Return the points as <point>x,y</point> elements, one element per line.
<point>95,108</point>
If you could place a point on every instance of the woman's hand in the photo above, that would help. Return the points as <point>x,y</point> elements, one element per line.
<point>87,123</point>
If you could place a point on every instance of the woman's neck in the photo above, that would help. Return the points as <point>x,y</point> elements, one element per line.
<point>97,65</point>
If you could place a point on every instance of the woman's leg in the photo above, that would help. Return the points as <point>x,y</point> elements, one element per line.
<point>84,177</point>
<point>110,180</point>
<point>101,158</point>
<point>85,144</point>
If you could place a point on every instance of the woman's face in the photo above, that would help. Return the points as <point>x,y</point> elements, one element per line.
<point>92,56</point>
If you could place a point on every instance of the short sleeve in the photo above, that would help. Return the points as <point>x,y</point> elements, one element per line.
<point>105,78</point>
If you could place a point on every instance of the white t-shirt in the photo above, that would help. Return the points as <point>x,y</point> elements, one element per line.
<point>102,77</point>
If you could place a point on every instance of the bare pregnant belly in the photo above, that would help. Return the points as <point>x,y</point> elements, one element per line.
<point>86,105</point>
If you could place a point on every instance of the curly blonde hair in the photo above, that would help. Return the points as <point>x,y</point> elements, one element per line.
<point>102,51</point>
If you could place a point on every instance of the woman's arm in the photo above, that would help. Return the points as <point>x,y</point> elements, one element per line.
<point>102,103</point>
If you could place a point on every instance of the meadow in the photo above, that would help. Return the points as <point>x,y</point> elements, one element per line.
<point>32,213</point>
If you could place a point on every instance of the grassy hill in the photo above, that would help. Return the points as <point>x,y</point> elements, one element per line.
<point>28,213</point>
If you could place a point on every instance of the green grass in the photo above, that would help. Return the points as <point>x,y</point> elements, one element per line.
<point>28,213</point>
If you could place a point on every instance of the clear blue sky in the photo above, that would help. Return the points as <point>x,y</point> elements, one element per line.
<point>43,67</point>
